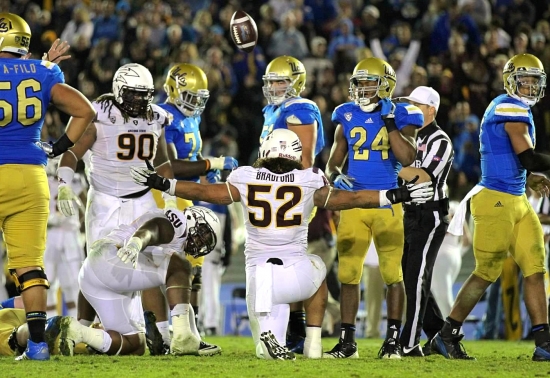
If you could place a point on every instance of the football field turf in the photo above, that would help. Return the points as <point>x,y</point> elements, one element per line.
<point>494,359</point>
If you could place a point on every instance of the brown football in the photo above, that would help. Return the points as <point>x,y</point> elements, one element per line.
<point>244,31</point>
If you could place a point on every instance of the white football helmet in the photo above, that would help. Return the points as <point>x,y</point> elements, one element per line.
<point>281,143</point>
<point>133,88</point>
<point>203,230</point>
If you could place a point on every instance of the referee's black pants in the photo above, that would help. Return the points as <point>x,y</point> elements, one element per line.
<point>425,227</point>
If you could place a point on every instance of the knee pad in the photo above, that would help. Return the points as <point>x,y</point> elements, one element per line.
<point>29,279</point>
<point>196,284</point>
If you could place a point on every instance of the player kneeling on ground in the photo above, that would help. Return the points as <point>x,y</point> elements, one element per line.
<point>278,196</point>
<point>140,256</point>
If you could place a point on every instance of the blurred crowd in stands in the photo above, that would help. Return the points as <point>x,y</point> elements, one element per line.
<point>459,47</point>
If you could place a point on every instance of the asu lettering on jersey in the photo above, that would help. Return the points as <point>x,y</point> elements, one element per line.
<point>120,145</point>
<point>295,110</point>
<point>276,209</point>
<point>25,87</point>
<point>184,133</point>
<point>371,161</point>
<point>500,166</point>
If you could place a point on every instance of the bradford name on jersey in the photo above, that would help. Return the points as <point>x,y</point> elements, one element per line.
<point>25,87</point>
<point>371,161</point>
<point>184,133</point>
<point>297,111</point>
<point>500,167</point>
<point>120,145</point>
<point>276,208</point>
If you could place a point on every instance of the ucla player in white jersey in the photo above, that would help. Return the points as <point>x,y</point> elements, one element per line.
<point>277,196</point>
<point>186,88</point>
<point>128,128</point>
<point>144,254</point>
<point>64,249</point>
<point>284,80</point>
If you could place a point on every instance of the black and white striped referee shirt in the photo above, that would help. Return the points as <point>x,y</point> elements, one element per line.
<point>435,155</point>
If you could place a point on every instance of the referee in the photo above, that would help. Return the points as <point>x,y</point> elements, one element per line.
<point>425,224</point>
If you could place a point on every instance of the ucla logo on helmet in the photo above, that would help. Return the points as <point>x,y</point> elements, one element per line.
<point>509,67</point>
<point>5,25</point>
<point>179,77</point>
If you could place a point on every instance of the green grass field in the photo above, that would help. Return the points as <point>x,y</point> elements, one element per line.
<point>494,359</point>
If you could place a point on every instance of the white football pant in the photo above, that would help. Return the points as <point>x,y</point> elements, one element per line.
<point>294,281</point>
<point>112,287</point>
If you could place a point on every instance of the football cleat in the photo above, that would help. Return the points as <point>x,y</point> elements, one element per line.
<point>153,338</point>
<point>390,349</point>
<point>343,350</point>
<point>427,348</point>
<point>53,330</point>
<point>415,351</point>
<point>451,349</point>
<point>35,351</point>
<point>542,352</point>
<point>295,343</point>
<point>272,349</point>
<point>70,335</point>
<point>206,349</point>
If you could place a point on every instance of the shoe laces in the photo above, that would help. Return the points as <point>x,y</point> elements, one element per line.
<point>460,351</point>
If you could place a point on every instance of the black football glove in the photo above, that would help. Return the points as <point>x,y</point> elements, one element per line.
<point>411,192</point>
<point>147,176</point>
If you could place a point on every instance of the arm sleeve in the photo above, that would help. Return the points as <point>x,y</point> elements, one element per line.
<point>534,161</point>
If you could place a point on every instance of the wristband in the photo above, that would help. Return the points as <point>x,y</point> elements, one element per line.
<point>384,201</point>
<point>65,175</point>
<point>216,163</point>
<point>208,164</point>
<point>62,145</point>
<point>390,124</point>
<point>135,241</point>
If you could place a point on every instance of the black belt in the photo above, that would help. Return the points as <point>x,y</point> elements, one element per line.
<point>275,261</point>
<point>136,194</point>
<point>431,205</point>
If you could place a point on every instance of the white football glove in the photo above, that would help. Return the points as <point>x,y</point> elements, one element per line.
<point>421,193</point>
<point>65,198</point>
<point>130,252</point>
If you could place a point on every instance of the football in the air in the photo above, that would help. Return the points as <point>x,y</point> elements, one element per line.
<point>244,31</point>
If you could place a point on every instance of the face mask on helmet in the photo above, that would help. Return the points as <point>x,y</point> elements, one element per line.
<point>277,89</point>
<point>363,88</point>
<point>192,104</point>
<point>203,228</point>
<point>136,103</point>
<point>281,143</point>
<point>528,88</point>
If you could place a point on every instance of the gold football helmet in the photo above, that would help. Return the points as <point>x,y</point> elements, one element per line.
<point>187,88</point>
<point>372,70</point>
<point>283,68</point>
<point>15,34</point>
<point>524,78</point>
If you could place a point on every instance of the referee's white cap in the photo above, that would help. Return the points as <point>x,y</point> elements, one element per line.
<point>425,96</point>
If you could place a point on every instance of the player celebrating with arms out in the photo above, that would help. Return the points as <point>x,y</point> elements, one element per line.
<point>277,196</point>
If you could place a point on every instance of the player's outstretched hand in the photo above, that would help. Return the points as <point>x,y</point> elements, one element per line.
<point>66,199</point>
<point>147,176</point>
<point>55,53</point>
<point>412,192</point>
<point>130,252</point>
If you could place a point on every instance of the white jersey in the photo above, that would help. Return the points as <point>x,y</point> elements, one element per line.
<point>121,145</point>
<point>276,209</point>
<point>124,232</point>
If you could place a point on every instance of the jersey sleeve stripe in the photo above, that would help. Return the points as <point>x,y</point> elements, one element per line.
<point>411,109</point>
<point>511,110</point>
